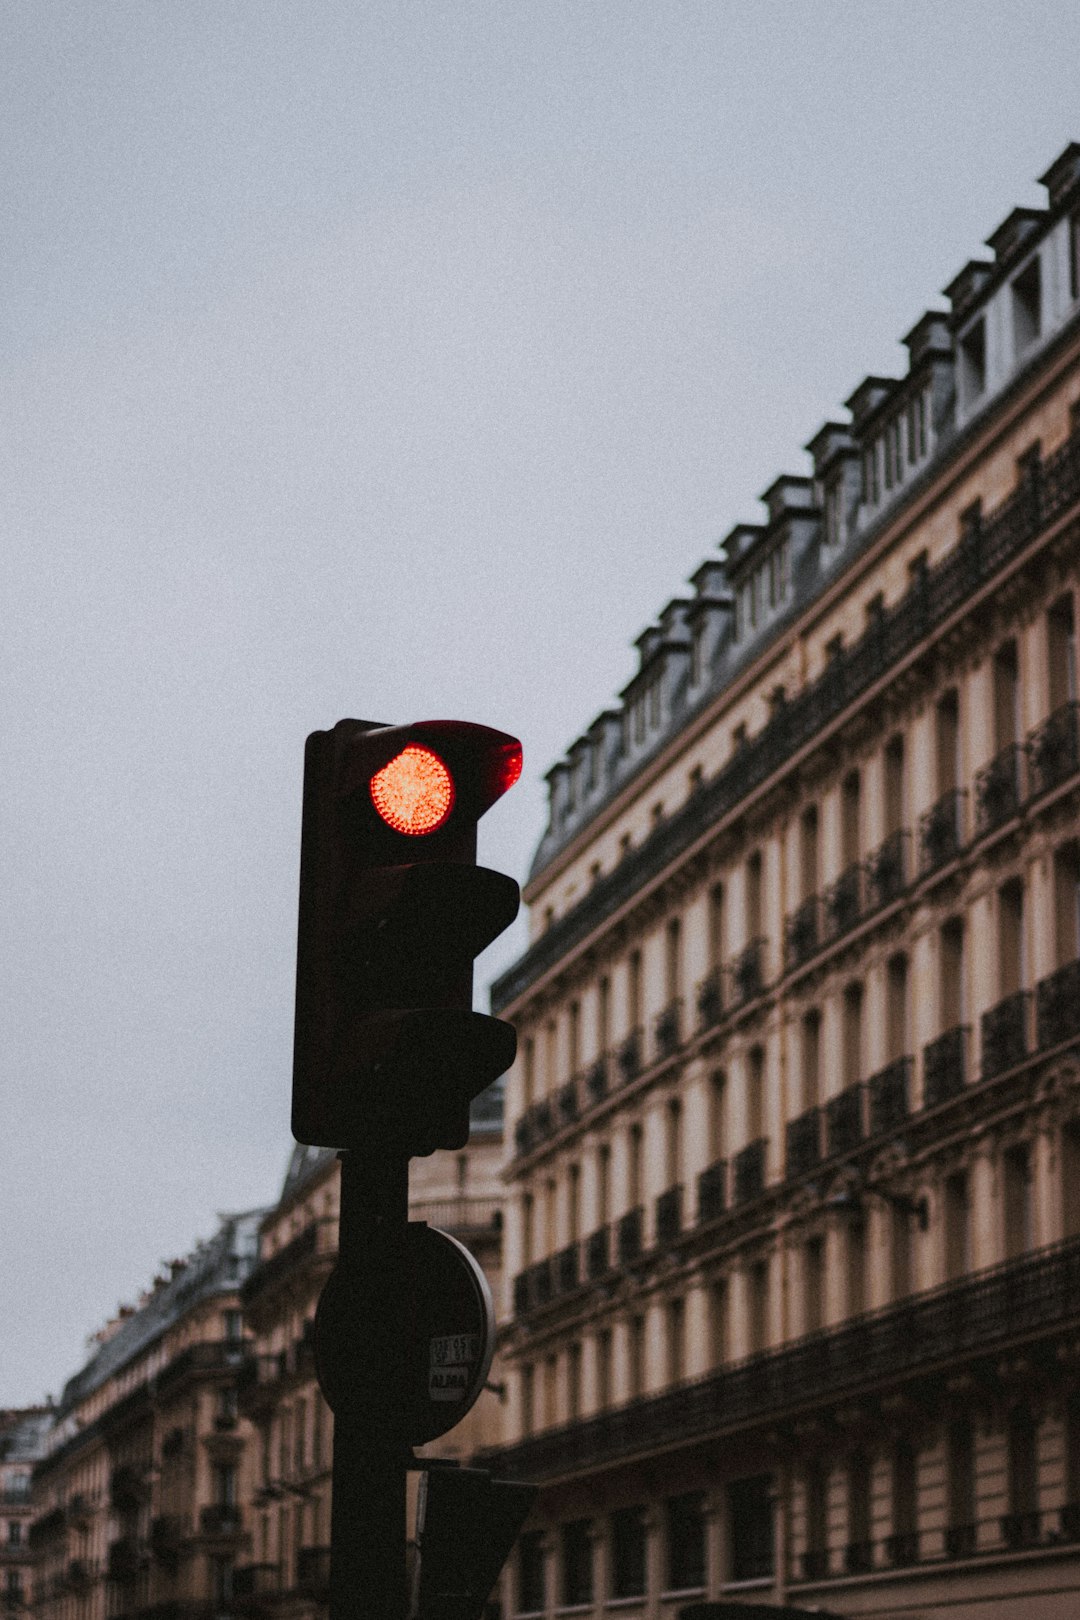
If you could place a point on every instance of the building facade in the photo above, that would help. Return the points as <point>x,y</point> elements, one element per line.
<point>288,1482</point>
<point>793,1219</point>
<point>136,1502</point>
<point>22,1444</point>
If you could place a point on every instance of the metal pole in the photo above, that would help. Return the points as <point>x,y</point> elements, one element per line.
<point>367,1525</point>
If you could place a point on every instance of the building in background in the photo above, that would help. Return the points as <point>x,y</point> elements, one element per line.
<point>288,1482</point>
<point>793,1231</point>
<point>22,1444</point>
<point>136,1502</point>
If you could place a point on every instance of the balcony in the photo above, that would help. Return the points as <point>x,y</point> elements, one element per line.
<point>802,933</point>
<point>1057,1006</point>
<point>568,1103</point>
<point>596,1079</point>
<point>889,1091</point>
<point>803,1144</point>
<point>1053,749</point>
<point>628,1058</point>
<point>969,1322</point>
<point>567,1269</point>
<point>598,1253</point>
<point>886,871</point>
<point>669,1216</point>
<point>541,1283</point>
<point>629,1236</point>
<point>999,790</point>
<point>749,1173</point>
<point>710,999</point>
<point>220,1519</point>
<point>125,1559</point>
<point>313,1571</point>
<point>666,1030</point>
<point>126,1489</point>
<point>843,1120</point>
<point>945,1066</point>
<point>941,832</point>
<point>78,1510</point>
<point>712,1192</point>
<point>748,973</point>
<point>1003,1034</point>
<point>523,1136</point>
<point>543,1120</point>
<point>842,902</point>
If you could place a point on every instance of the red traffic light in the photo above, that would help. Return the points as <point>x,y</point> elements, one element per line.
<point>414,792</point>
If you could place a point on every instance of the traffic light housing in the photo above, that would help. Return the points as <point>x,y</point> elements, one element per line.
<point>468,1523</point>
<point>393,910</point>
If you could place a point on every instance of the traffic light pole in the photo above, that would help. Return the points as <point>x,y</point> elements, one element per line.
<point>368,1525</point>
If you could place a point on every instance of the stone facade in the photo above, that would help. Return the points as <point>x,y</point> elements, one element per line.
<point>793,1230</point>
<point>22,1444</point>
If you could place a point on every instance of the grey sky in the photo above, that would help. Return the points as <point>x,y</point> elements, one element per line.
<point>392,361</point>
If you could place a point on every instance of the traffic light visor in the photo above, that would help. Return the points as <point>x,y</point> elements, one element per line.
<point>414,791</point>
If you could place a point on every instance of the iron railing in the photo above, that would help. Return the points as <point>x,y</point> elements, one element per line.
<point>1003,1034</point>
<point>941,832</point>
<point>802,933</point>
<point>945,1066</point>
<point>890,1092</point>
<point>887,869</point>
<point>748,973</point>
<point>749,1172</point>
<point>712,1192</point>
<point>1053,749</point>
<point>843,1120</point>
<point>1057,1006</point>
<point>843,901</point>
<point>999,789</point>
<point>803,1142</point>
<point>669,1215</point>
<point>710,999</point>
<point>629,1235</point>
<point>667,1029</point>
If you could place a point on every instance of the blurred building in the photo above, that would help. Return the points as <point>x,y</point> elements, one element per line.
<point>22,1444</point>
<point>288,1483</point>
<point>793,1232</point>
<point>136,1502</point>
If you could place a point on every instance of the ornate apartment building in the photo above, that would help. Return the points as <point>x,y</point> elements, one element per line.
<point>136,1501</point>
<point>287,1487</point>
<point>793,1220</point>
<point>22,1444</point>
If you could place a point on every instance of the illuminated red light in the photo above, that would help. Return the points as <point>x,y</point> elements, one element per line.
<point>414,792</point>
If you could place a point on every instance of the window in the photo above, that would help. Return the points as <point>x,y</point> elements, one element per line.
<point>816,1487</point>
<point>1067,903</point>
<point>676,1341</point>
<point>628,1553</point>
<point>858,1506</point>
<point>856,1264</point>
<point>808,853</point>
<point>603,1369</point>
<point>947,740</point>
<point>853,1034</point>
<point>900,1252</point>
<point>633,996</point>
<point>896,1008</point>
<point>577,1563</point>
<point>1016,1179</point>
<point>758,1313</point>
<point>751,1522</point>
<point>894,785</point>
<point>233,1324</point>
<point>916,428</point>
<point>528,1071</point>
<point>951,966</point>
<point>636,1329</point>
<point>531,1598</point>
<point>697,654</point>
<point>833,512</point>
<point>573,1382</point>
<point>684,1525</point>
<point>972,351</point>
<point>1027,305</point>
<point>603,1182</point>
<point>718,1322</point>
<point>811,1058</point>
<point>1006,695</point>
<point>575,1037</point>
<point>716,925</point>
<point>673,959</point>
<point>755,1094</point>
<point>1061,653</point>
<point>753,896</point>
<point>1010,937</point>
<point>573,1203</point>
<point>960,1455</point>
<point>673,1143</point>
<point>850,818</point>
<point>904,1491</point>
<point>14,1535</point>
<point>635,1141</point>
<point>870,475</point>
<point>813,1283</point>
<point>957,1226</point>
<point>717,1115</point>
<point>528,1398</point>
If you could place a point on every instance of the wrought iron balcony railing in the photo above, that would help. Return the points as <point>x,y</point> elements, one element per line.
<point>887,870</point>
<point>712,1192</point>
<point>890,1092</point>
<point>748,973</point>
<point>945,1066</point>
<point>667,1029</point>
<point>596,1079</point>
<point>628,1058</point>
<point>567,1269</point>
<point>952,1326</point>
<point>999,789</point>
<point>941,832</point>
<point>802,933</point>
<point>803,1142</point>
<point>568,1102</point>
<point>710,999</point>
<point>843,901</point>
<point>598,1253</point>
<point>669,1215</point>
<point>629,1236</point>
<point>1053,749</point>
<point>1057,1006</point>
<point>749,1171</point>
<point>1003,1033</point>
<point>844,1120</point>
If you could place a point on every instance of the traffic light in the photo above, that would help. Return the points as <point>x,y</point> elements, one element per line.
<point>393,909</point>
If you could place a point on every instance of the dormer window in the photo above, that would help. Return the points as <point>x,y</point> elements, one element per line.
<point>973,361</point>
<point>765,591</point>
<point>697,655</point>
<point>870,486</point>
<point>833,512</point>
<point>1027,305</point>
<point>917,413</point>
<point>654,704</point>
<point>892,453</point>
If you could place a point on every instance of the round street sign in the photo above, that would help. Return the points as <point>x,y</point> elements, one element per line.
<point>449,1339</point>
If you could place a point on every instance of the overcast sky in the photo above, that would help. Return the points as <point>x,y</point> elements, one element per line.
<point>395,361</point>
